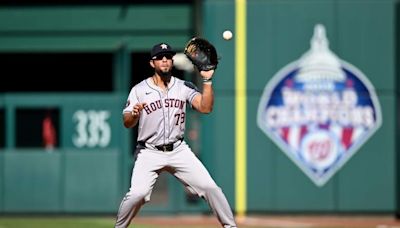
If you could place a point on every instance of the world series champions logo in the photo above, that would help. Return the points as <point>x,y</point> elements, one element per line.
<point>319,110</point>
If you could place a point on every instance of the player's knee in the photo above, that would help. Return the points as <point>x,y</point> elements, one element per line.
<point>139,193</point>
<point>211,188</point>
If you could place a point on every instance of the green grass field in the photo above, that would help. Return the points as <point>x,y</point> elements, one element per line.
<point>24,222</point>
<point>71,222</point>
<point>103,222</point>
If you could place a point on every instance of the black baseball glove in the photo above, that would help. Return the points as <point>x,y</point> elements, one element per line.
<point>202,54</point>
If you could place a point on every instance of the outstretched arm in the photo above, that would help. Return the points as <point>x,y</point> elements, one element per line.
<point>204,102</point>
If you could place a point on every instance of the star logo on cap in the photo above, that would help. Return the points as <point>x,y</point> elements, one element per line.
<point>164,46</point>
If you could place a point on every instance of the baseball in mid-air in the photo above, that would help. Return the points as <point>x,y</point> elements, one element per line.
<point>227,35</point>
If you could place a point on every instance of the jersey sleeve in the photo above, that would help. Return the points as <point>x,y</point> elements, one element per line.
<point>192,91</point>
<point>131,101</point>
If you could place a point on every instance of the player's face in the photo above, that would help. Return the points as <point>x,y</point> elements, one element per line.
<point>163,64</point>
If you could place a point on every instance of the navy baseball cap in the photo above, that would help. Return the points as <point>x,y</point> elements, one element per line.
<point>161,48</point>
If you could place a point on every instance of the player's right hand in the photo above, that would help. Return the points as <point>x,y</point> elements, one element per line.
<point>137,109</point>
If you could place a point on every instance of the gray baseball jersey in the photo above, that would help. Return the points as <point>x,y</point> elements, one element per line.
<point>163,118</point>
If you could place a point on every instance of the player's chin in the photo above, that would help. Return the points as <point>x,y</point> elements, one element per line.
<point>166,68</point>
<point>165,73</point>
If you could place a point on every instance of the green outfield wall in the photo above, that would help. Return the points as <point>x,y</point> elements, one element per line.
<point>278,33</point>
<point>89,170</point>
<point>83,174</point>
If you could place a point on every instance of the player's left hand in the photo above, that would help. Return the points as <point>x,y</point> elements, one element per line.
<point>207,74</point>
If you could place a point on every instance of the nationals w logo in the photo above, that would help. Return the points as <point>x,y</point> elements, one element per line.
<point>319,110</point>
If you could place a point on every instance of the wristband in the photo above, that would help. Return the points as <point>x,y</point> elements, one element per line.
<point>207,80</point>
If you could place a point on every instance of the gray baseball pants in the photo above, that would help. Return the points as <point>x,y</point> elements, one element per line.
<point>183,164</point>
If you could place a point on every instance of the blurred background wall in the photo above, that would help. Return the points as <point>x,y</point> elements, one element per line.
<point>67,68</point>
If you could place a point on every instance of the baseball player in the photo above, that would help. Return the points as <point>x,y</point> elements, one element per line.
<point>158,105</point>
